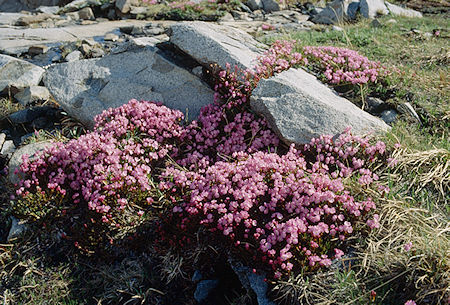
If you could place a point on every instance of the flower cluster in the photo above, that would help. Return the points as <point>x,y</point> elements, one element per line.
<point>285,210</point>
<point>234,86</point>
<point>107,170</point>
<point>341,65</point>
<point>219,132</point>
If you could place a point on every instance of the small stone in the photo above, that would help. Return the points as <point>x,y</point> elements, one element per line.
<point>197,276</point>
<point>226,17</point>
<point>37,49</point>
<point>374,104</point>
<point>32,94</point>
<point>124,6</point>
<point>428,35</point>
<point>271,5</point>
<point>73,56</point>
<point>2,139</point>
<point>376,23</point>
<point>153,31</point>
<point>8,148</point>
<point>198,71</point>
<point>86,14</point>
<point>389,116</point>
<point>85,49</point>
<point>17,228</point>
<point>75,16</point>
<point>203,289</point>
<point>255,4</point>
<point>137,30</point>
<point>48,9</point>
<point>25,138</point>
<point>408,110</point>
<point>337,28</point>
<point>111,37</point>
<point>97,52</point>
<point>127,29</point>
<point>138,10</point>
<point>145,41</point>
<point>111,14</point>
<point>391,21</point>
<point>238,15</point>
<point>87,22</point>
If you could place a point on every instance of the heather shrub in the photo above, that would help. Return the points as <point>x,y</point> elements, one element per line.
<point>221,131</point>
<point>101,183</point>
<point>288,212</point>
<point>223,173</point>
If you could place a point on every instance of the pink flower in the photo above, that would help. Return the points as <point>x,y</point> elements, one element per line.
<point>408,246</point>
<point>410,302</point>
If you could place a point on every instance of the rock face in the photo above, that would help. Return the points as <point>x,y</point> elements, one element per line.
<point>373,8</point>
<point>299,107</point>
<point>400,11</point>
<point>17,40</point>
<point>87,87</point>
<point>210,43</point>
<point>18,5</point>
<point>337,11</point>
<point>18,73</point>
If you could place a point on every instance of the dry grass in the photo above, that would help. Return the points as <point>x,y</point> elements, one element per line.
<point>427,168</point>
<point>7,106</point>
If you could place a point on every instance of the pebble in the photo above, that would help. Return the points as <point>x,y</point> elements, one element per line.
<point>73,56</point>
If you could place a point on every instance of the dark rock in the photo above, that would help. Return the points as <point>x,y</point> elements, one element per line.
<point>37,49</point>
<point>204,288</point>
<point>28,115</point>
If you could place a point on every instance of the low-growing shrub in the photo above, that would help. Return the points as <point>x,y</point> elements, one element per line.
<point>102,181</point>
<point>284,210</point>
<point>223,172</point>
<point>343,66</point>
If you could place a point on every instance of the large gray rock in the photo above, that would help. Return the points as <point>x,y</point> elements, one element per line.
<point>337,11</point>
<point>32,151</point>
<point>211,43</point>
<point>401,11</point>
<point>18,73</point>
<point>372,8</point>
<point>87,87</point>
<point>125,5</point>
<point>298,107</point>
